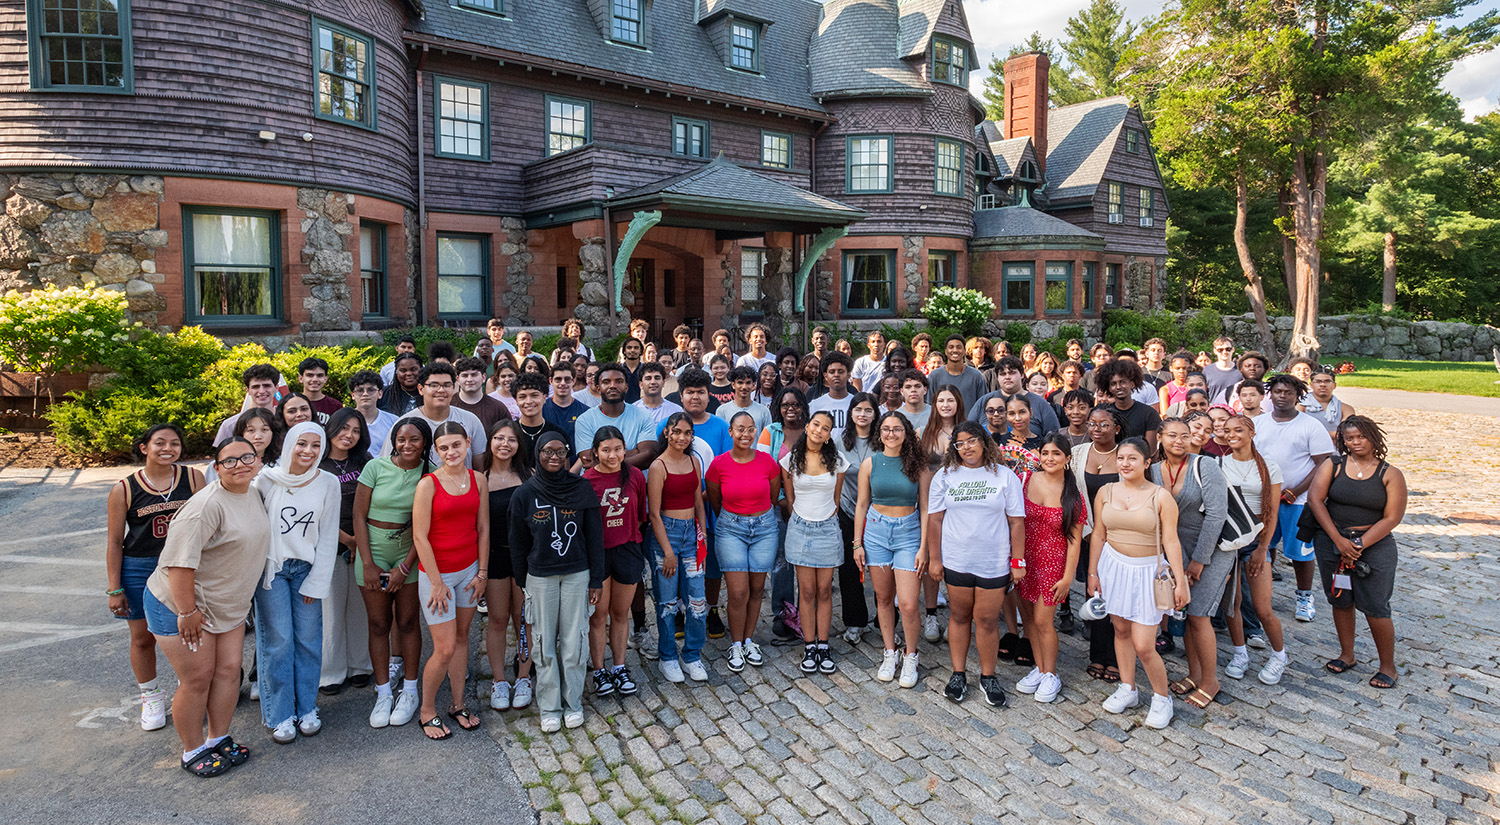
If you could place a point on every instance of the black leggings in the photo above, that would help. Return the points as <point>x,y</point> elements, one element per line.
<point>1101,631</point>
<point>855,610</point>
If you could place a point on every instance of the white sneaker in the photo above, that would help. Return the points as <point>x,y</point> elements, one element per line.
<point>573,720</point>
<point>406,707</point>
<point>1237,666</point>
<point>381,715</point>
<point>908,671</point>
<point>520,695</point>
<point>395,669</point>
<point>1257,641</point>
<point>286,732</point>
<point>254,690</point>
<point>696,671</point>
<point>671,670</point>
<point>888,664</point>
<point>310,724</point>
<point>500,695</point>
<point>1275,666</point>
<point>930,629</point>
<point>753,655</point>
<point>551,724</point>
<point>942,600</point>
<point>1161,712</point>
<point>1306,610</point>
<point>1030,682</point>
<point>1124,698</point>
<point>153,710</point>
<point>852,635</point>
<point>641,641</point>
<point>736,657</point>
<point>1049,688</point>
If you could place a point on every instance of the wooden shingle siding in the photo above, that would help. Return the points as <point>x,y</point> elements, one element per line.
<point>208,78</point>
<point>1134,170</point>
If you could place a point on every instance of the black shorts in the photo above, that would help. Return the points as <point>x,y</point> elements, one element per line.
<point>625,564</point>
<point>1371,595</point>
<point>500,564</point>
<point>957,579</point>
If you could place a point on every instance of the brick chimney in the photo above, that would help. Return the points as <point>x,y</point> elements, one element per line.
<point>1026,102</point>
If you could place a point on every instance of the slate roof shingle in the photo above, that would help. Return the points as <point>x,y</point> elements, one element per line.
<point>1024,221</point>
<point>1080,140</point>
<point>856,48</point>
<point>726,181</point>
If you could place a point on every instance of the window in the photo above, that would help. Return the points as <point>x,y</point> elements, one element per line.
<point>689,137</point>
<point>81,45</point>
<point>233,264</point>
<point>869,282</point>
<point>950,61</point>
<point>776,150</point>
<point>627,21</point>
<point>982,163</point>
<point>752,269</point>
<point>567,124</point>
<point>1116,203</point>
<point>869,164</point>
<point>1088,288</point>
<point>372,269</point>
<point>987,200</point>
<point>744,46</point>
<point>1027,172</point>
<point>463,118</point>
<point>950,167</point>
<point>1111,285</point>
<point>1058,294</point>
<point>1016,289</point>
<point>496,6</point>
<point>345,69</point>
<point>1132,141</point>
<point>463,269</point>
<point>1148,208</point>
<point>941,269</point>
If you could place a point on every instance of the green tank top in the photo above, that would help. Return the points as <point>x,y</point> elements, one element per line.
<point>889,487</point>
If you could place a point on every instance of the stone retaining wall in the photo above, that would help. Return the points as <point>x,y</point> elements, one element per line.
<point>1347,336</point>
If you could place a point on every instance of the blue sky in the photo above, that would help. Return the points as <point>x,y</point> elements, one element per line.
<point>999,24</point>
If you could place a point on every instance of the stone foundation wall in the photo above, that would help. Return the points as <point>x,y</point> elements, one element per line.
<point>327,226</point>
<point>517,296</point>
<point>1347,336</point>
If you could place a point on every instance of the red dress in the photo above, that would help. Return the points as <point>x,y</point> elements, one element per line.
<point>1046,549</point>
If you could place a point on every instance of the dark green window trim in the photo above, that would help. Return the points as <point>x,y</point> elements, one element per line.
<point>626,16</point>
<point>1066,279</point>
<point>1020,272</point>
<point>369,121</point>
<point>772,162</point>
<point>950,61</point>
<point>496,7</point>
<point>555,147</point>
<point>374,270</point>
<point>1112,285</point>
<point>1148,207</point>
<point>934,278</point>
<point>483,276</point>
<point>955,153</point>
<point>738,50</point>
<point>1115,195</point>
<point>78,45</point>
<point>1089,273</point>
<point>848,281</point>
<point>190,265</point>
<point>1132,141</point>
<point>889,142</point>
<point>440,114</point>
<point>682,144</point>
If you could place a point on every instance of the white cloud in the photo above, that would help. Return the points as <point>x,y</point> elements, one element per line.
<point>1475,80</point>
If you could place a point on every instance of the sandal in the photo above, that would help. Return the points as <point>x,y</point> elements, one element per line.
<point>1165,643</point>
<point>1183,687</point>
<point>208,763</point>
<point>236,753</point>
<point>1111,674</point>
<point>1382,681</point>
<point>1024,655</point>
<point>1338,666</point>
<point>462,715</point>
<point>1008,645</point>
<point>1199,699</point>
<point>436,724</point>
<point>1095,670</point>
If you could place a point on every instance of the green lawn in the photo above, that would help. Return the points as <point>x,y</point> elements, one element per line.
<point>1456,377</point>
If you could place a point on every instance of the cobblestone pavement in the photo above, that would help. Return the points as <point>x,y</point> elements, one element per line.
<point>773,745</point>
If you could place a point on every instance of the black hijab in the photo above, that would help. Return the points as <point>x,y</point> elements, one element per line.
<point>562,488</point>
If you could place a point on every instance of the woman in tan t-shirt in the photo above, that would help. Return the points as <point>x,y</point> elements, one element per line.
<point>197,600</point>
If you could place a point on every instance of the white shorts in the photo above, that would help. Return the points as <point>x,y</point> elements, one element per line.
<point>458,593</point>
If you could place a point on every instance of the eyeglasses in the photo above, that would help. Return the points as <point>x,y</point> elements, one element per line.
<point>554,453</point>
<point>1099,425</point>
<point>1223,349</point>
<point>366,389</point>
<point>994,411</point>
<point>233,461</point>
<point>892,431</point>
<point>432,385</point>
<point>966,443</point>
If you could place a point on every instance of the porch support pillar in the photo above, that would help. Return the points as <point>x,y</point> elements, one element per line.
<point>639,224</point>
<point>820,244</point>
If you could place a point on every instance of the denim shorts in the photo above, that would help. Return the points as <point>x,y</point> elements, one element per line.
<point>459,594</point>
<point>747,544</point>
<point>814,543</point>
<point>891,541</point>
<point>160,619</point>
<point>134,570</point>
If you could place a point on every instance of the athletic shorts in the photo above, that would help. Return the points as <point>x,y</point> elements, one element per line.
<point>956,579</point>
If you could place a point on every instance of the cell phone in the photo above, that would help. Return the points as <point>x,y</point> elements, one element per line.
<point>385,580</point>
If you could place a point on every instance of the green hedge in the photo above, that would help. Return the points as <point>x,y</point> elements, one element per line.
<point>1128,328</point>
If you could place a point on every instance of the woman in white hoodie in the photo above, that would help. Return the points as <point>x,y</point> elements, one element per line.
<point>302,504</point>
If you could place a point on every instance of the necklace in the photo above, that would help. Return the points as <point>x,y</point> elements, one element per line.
<point>150,488</point>
<point>528,431</point>
<point>1131,491</point>
<point>1102,454</point>
<point>1359,473</point>
<point>461,481</point>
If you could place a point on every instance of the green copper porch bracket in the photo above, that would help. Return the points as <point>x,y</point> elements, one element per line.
<point>638,226</point>
<point>825,239</point>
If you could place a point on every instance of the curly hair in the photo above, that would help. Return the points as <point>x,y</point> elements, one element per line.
<point>991,450</point>
<point>1366,427</point>
<point>912,460</point>
<point>829,453</point>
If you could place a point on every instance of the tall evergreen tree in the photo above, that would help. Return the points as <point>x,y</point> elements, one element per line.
<point>1094,44</point>
<point>994,82</point>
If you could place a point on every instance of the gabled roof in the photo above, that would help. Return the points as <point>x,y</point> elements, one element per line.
<point>1010,153</point>
<point>683,55</point>
<point>856,50</point>
<point>753,9</point>
<point>918,21</point>
<point>1016,222</point>
<point>1080,140</point>
<point>724,186</point>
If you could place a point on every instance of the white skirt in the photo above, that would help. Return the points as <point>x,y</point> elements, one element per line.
<point>1125,583</point>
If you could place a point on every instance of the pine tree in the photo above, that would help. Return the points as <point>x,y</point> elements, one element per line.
<point>994,82</point>
<point>1094,44</point>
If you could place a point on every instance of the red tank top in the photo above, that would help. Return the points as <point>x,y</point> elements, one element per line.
<point>677,492</point>
<point>454,532</point>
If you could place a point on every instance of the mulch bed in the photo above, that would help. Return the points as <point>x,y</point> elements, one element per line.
<point>30,451</point>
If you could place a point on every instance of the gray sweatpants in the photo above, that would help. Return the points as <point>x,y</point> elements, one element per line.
<point>557,608</point>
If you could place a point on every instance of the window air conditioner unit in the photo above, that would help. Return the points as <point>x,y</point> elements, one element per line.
<point>1148,222</point>
<point>1109,300</point>
<point>1116,217</point>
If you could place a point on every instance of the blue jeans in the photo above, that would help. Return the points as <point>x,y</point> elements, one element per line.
<point>783,577</point>
<point>288,645</point>
<point>670,592</point>
<point>747,544</point>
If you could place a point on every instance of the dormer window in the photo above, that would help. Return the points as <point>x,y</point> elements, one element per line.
<point>1027,172</point>
<point>628,21</point>
<point>744,45</point>
<point>950,61</point>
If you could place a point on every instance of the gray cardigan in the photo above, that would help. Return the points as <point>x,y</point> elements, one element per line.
<point>1201,510</point>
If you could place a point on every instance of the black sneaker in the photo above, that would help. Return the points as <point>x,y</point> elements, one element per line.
<point>825,661</point>
<point>1065,621</point>
<point>716,628</point>
<point>603,684</point>
<point>680,626</point>
<point>958,687</point>
<point>810,659</point>
<point>993,693</point>
<point>623,683</point>
<point>782,632</point>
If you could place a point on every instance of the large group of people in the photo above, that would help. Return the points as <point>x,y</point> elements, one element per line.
<point>558,493</point>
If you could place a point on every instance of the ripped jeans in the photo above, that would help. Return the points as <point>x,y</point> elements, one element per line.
<point>669,593</point>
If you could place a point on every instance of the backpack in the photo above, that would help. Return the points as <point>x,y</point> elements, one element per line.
<point>1241,527</point>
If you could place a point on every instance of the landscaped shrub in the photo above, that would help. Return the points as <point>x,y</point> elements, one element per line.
<point>462,338</point>
<point>1122,327</point>
<point>103,424</point>
<point>51,331</point>
<point>1018,335</point>
<point>153,358</point>
<point>963,309</point>
<point>1067,331</point>
<point>342,363</point>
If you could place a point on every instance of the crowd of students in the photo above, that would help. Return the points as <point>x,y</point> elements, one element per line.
<point>550,491</point>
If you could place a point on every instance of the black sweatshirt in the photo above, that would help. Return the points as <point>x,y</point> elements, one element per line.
<point>554,541</point>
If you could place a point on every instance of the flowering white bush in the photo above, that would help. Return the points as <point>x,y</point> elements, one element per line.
<point>55,330</point>
<point>963,309</point>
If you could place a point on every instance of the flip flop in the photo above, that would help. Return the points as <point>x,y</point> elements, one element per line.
<point>1182,687</point>
<point>1111,675</point>
<point>1095,670</point>
<point>1382,681</point>
<point>1198,698</point>
<point>437,724</point>
<point>1338,666</point>
<point>462,715</point>
<point>1024,654</point>
<point>1008,646</point>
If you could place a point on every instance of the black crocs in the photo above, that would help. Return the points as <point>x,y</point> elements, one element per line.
<point>206,764</point>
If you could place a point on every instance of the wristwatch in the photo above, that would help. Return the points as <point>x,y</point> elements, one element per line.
<point>1018,564</point>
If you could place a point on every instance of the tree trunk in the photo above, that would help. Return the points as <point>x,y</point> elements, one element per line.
<point>1388,287</point>
<point>1309,182</point>
<point>1288,245</point>
<point>1255,289</point>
